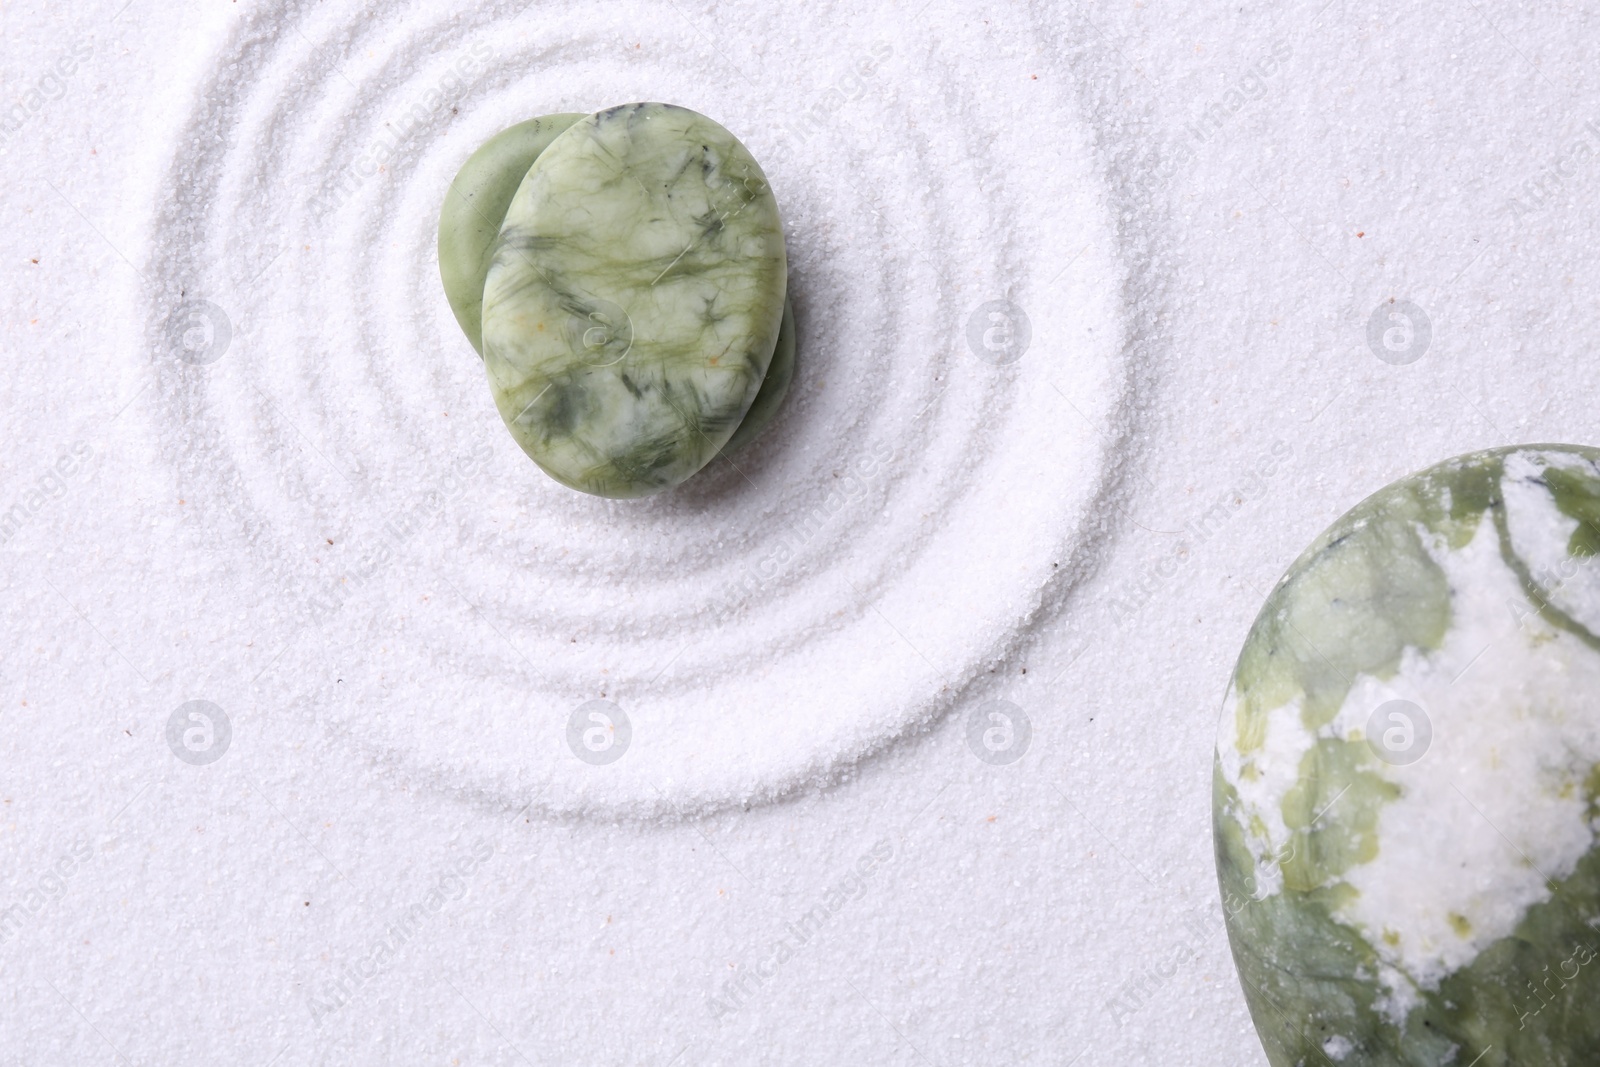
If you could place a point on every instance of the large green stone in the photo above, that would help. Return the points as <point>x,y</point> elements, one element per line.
<point>1407,777</point>
<point>469,225</point>
<point>634,299</point>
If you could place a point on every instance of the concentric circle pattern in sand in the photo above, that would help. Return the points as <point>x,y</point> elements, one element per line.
<point>437,603</point>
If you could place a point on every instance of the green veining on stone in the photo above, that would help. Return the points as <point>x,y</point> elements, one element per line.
<point>1363,592</point>
<point>774,387</point>
<point>1504,1001</point>
<point>634,300</point>
<point>1372,600</point>
<point>1537,593</point>
<point>474,208</point>
<point>469,225</point>
<point>1333,772</point>
<point>1578,496</point>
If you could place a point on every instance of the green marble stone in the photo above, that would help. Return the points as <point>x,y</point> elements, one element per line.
<point>1407,777</point>
<point>634,299</point>
<point>469,224</point>
<point>474,208</point>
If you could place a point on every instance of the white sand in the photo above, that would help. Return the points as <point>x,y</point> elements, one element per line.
<point>327,533</point>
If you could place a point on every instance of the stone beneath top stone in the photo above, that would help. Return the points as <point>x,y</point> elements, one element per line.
<point>475,207</point>
<point>634,299</point>
<point>774,387</point>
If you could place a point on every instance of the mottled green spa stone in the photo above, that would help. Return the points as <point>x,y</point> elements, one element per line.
<point>475,208</point>
<point>634,300</point>
<point>1425,889</point>
<point>469,224</point>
